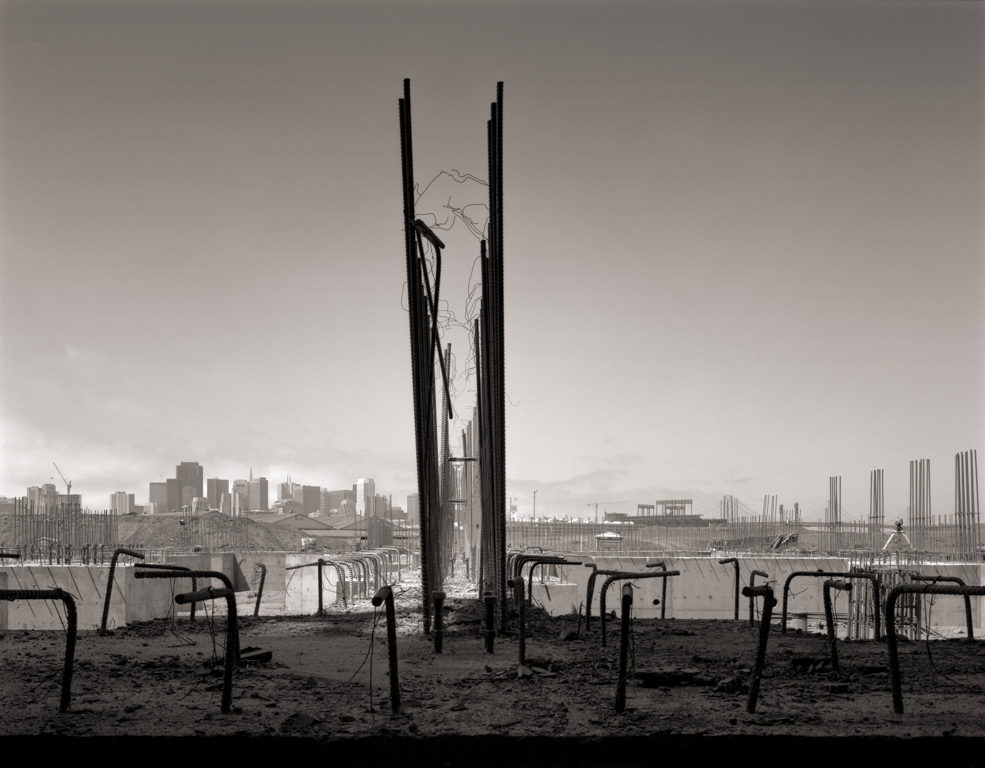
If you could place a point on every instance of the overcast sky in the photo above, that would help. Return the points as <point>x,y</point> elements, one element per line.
<point>744,242</point>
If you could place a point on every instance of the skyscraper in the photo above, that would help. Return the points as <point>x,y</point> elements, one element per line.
<point>258,494</point>
<point>121,503</point>
<point>309,496</point>
<point>159,495</point>
<point>366,497</point>
<point>240,497</point>
<point>189,475</point>
<point>216,488</point>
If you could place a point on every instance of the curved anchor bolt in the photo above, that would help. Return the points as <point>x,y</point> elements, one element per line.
<point>635,577</point>
<point>766,592</point>
<point>109,582</point>
<point>829,616</point>
<point>836,574</point>
<point>752,600</point>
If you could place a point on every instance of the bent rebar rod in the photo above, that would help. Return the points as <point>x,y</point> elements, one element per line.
<point>734,560</point>
<point>752,600</point>
<point>232,635</point>
<point>200,575</point>
<point>833,574</point>
<point>635,577</point>
<point>385,594</point>
<point>967,598</point>
<point>596,572</point>
<point>922,589</point>
<point>766,592</point>
<point>542,563</point>
<point>109,583</point>
<point>65,597</point>
<point>169,567</point>
<point>844,586</point>
<point>627,605</point>
<point>263,576</point>
<point>663,592</point>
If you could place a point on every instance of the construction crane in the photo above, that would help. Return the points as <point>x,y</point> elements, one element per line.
<point>596,505</point>
<point>67,482</point>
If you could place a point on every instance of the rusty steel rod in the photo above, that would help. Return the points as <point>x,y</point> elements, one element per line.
<point>596,572</point>
<point>766,592</point>
<point>263,576</point>
<point>232,638</point>
<point>920,589</point>
<point>663,590</point>
<point>385,595</point>
<point>619,577</point>
<point>752,600</point>
<point>226,582</point>
<point>734,561</point>
<point>843,586</point>
<point>627,605</point>
<point>834,574</point>
<point>169,567</point>
<point>109,583</point>
<point>967,598</point>
<point>72,631</point>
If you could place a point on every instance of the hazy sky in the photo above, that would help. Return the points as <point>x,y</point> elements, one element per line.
<point>744,242</point>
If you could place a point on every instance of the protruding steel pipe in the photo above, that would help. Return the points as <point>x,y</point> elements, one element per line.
<point>72,631</point>
<point>385,595</point>
<point>834,574</point>
<point>109,583</point>
<point>752,600</point>
<point>843,586</point>
<point>766,592</point>
<point>920,589</point>
<point>627,605</point>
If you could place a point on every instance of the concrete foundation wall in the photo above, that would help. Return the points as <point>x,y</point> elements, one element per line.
<point>301,589</point>
<point>276,576</point>
<point>705,589</point>
<point>132,600</point>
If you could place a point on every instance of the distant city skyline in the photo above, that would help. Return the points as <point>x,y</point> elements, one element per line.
<point>744,248</point>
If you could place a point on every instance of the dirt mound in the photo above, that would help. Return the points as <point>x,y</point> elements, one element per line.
<point>211,530</point>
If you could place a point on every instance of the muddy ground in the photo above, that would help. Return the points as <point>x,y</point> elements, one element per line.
<point>327,683</point>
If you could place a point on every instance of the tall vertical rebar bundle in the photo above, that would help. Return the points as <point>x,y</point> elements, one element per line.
<point>877,510</point>
<point>492,393</point>
<point>966,510</point>
<point>446,525</point>
<point>920,507</point>
<point>423,329</point>
<point>833,515</point>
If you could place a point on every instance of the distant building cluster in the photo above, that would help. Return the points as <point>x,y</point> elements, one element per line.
<point>189,492</point>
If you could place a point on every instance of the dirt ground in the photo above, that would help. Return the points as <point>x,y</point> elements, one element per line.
<point>327,682</point>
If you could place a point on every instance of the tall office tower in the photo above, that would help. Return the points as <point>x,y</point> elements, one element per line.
<point>258,495</point>
<point>216,488</point>
<point>413,509</point>
<point>382,506</point>
<point>43,496</point>
<point>309,496</point>
<point>325,500</point>
<point>174,495</point>
<point>226,504</point>
<point>159,496</point>
<point>189,475</point>
<point>285,490</point>
<point>365,497</point>
<point>240,496</point>
<point>121,503</point>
